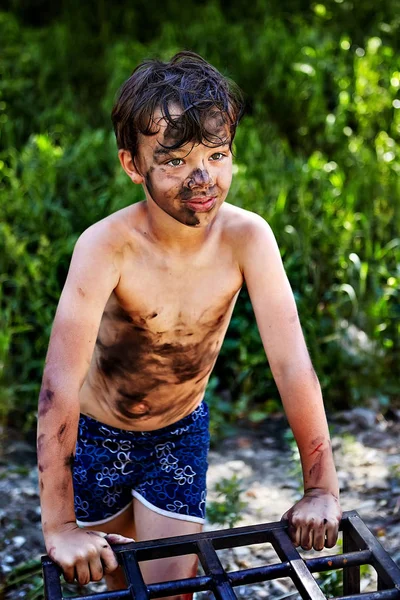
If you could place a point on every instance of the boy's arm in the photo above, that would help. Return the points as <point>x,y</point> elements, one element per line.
<point>93,274</point>
<point>317,515</point>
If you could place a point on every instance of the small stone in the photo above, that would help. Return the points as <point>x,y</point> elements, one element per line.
<point>6,568</point>
<point>363,417</point>
<point>18,541</point>
<point>8,559</point>
<point>247,452</point>
<point>366,505</point>
<point>260,592</point>
<point>30,492</point>
<point>269,441</point>
<point>377,484</point>
<point>236,466</point>
<point>251,493</point>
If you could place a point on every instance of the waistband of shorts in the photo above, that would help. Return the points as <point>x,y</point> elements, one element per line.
<point>200,411</point>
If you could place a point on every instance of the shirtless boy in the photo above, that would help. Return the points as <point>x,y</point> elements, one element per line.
<point>141,319</point>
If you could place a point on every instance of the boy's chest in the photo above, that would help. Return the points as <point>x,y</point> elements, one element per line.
<point>177,297</point>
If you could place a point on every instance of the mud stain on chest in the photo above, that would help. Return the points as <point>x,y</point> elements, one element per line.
<point>138,361</point>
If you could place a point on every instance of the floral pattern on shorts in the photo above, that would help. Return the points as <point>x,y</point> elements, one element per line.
<point>166,468</point>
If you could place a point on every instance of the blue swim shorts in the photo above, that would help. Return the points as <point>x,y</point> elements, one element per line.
<point>164,469</point>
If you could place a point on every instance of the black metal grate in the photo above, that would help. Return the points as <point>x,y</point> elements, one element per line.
<point>359,548</point>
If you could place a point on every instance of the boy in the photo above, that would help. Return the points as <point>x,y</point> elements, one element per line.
<point>141,319</point>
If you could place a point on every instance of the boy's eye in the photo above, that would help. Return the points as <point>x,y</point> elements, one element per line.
<point>217,156</point>
<point>175,162</point>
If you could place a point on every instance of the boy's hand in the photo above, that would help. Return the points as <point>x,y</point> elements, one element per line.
<point>314,520</point>
<point>83,555</point>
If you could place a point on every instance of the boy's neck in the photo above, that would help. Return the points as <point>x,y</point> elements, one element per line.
<point>173,235</point>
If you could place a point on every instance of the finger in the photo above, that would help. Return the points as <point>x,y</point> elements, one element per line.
<point>96,568</point>
<point>108,559</point>
<point>297,535</point>
<point>82,572</point>
<point>292,533</point>
<point>285,520</point>
<point>319,535</point>
<point>116,538</point>
<point>332,530</point>
<point>306,538</point>
<point>69,574</point>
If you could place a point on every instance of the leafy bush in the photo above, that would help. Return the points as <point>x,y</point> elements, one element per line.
<point>317,155</point>
<point>227,510</point>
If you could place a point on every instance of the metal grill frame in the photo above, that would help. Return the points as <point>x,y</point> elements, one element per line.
<point>360,547</point>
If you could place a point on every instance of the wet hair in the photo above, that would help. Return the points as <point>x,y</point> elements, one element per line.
<point>200,91</point>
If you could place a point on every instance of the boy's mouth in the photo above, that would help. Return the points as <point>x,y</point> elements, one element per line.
<point>201,204</point>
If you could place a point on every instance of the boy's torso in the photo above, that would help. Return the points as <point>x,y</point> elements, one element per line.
<point>163,326</point>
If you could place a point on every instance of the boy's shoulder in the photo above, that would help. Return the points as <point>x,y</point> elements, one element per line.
<point>111,232</point>
<point>239,221</point>
<point>249,235</point>
<point>238,225</point>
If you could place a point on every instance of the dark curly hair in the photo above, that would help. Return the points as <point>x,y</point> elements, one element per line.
<point>186,80</point>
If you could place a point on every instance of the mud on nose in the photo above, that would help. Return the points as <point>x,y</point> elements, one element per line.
<point>198,177</point>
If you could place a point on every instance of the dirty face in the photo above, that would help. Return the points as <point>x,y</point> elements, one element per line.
<point>190,183</point>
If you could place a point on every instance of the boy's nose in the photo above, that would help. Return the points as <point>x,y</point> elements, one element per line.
<point>198,177</point>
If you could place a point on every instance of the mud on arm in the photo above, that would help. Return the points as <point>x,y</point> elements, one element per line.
<point>92,276</point>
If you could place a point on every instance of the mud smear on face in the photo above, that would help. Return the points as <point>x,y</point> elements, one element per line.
<point>213,132</point>
<point>183,215</point>
<point>197,177</point>
<point>138,362</point>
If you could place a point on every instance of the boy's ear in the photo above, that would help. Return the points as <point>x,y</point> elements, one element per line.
<point>128,165</point>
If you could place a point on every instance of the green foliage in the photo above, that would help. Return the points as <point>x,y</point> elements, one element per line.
<point>27,577</point>
<point>227,510</point>
<point>317,155</point>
